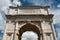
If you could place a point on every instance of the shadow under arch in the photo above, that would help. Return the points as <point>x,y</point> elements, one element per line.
<point>29,27</point>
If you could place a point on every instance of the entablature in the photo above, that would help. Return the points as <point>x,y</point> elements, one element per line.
<point>29,10</point>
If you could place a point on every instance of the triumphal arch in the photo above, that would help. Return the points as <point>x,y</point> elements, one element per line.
<point>29,23</point>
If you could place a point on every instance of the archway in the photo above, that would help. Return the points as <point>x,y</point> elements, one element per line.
<point>29,35</point>
<point>29,27</point>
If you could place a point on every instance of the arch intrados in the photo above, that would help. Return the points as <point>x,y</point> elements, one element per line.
<point>28,27</point>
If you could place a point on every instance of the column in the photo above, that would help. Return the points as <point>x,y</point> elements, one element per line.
<point>16,31</point>
<point>44,36</point>
<point>16,25</point>
<point>53,30</point>
<point>12,37</point>
<point>51,37</point>
<point>41,37</point>
<point>42,26</point>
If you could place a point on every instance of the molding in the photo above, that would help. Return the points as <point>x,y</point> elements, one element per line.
<point>29,7</point>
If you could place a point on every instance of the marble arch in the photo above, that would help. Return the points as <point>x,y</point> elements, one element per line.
<point>41,22</point>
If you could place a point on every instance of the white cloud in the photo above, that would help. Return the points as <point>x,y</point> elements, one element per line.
<point>16,2</point>
<point>2,25</point>
<point>1,17</point>
<point>58,5</point>
<point>2,22</point>
<point>4,4</point>
<point>56,15</point>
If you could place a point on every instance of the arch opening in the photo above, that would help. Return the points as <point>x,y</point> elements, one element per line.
<point>29,35</point>
<point>29,28</point>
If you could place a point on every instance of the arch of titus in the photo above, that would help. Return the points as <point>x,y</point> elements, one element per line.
<point>29,23</point>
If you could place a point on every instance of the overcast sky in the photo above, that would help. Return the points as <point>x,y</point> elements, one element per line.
<point>4,6</point>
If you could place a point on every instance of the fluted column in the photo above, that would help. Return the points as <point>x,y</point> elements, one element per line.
<point>51,37</point>
<point>43,34</point>
<point>16,37</point>
<point>15,31</point>
<point>53,30</point>
<point>12,37</point>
